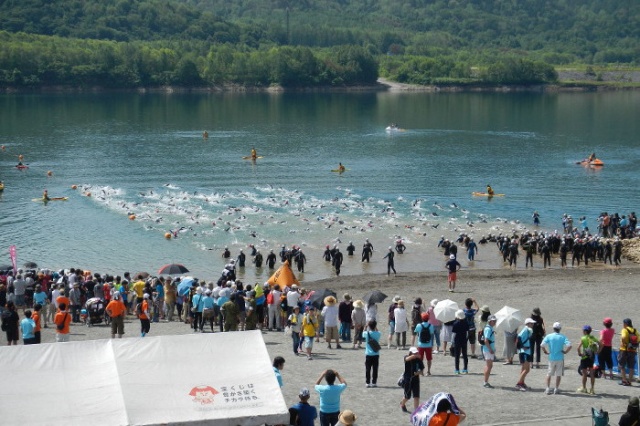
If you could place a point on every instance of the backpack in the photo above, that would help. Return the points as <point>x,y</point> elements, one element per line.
<point>520,343</point>
<point>633,339</point>
<point>425,333</point>
<point>481,341</point>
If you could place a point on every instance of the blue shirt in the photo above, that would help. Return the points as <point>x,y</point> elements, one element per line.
<point>418,329</point>
<point>366,335</point>
<point>160,290</point>
<point>555,344</point>
<point>489,338</point>
<point>207,302</point>
<point>525,335</point>
<point>198,302</point>
<point>278,376</point>
<point>27,326</point>
<point>469,315</point>
<point>306,413</point>
<point>40,298</point>
<point>330,397</point>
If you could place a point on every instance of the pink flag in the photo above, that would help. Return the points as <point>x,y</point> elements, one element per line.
<point>14,259</point>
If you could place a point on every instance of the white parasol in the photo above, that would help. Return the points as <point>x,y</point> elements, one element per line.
<point>509,319</point>
<point>445,310</point>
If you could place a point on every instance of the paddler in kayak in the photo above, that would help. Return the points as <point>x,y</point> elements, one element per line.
<point>591,157</point>
<point>254,154</point>
<point>205,135</point>
<point>45,195</point>
<point>341,168</point>
<point>489,190</point>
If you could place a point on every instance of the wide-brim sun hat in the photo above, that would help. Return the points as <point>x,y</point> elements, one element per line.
<point>347,417</point>
<point>329,300</point>
<point>359,304</point>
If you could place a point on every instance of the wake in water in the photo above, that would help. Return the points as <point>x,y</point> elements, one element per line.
<point>268,216</point>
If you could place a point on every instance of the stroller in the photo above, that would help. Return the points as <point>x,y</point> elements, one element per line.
<point>95,312</point>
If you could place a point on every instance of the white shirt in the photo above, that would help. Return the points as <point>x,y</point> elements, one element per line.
<point>330,314</point>
<point>400,315</point>
<point>293,297</point>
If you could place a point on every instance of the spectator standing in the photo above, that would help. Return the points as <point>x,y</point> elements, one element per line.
<point>453,267</point>
<point>392,319</point>
<point>470,311</point>
<point>37,319</point>
<point>330,315</point>
<point>330,396</point>
<point>556,345</point>
<point>358,319</point>
<point>437,325</point>
<point>143,316</point>
<point>372,356</point>
<point>302,413</point>
<point>413,369</point>
<point>489,348</point>
<point>295,322</point>
<point>344,315</point>
<point>62,321</point>
<point>309,329</point>
<point>606,347</point>
<point>459,338</point>
<point>116,310</point>
<point>401,322</point>
<point>587,349</point>
<point>629,340</point>
<point>40,297</point>
<point>27,328</point>
<point>525,352</point>
<point>10,321</point>
<point>278,366</point>
<point>424,333</point>
<point>539,332</point>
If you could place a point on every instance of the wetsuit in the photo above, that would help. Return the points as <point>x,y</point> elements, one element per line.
<point>546,255</point>
<point>300,261</point>
<point>337,261</point>
<point>258,260</point>
<point>351,249</point>
<point>327,255</point>
<point>390,265</point>
<point>366,253</point>
<point>241,259</point>
<point>271,260</point>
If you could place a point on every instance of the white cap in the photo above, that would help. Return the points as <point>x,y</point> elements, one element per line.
<point>529,321</point>
<point>453,256</point>
<point>557,326</point>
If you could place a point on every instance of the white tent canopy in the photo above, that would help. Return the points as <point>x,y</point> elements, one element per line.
<point>221,379</point>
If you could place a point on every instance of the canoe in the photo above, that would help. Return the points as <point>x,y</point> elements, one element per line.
<point>484,194</point>
<point>22,167</point>
<point>248,157</point>
<point>42,200</point>
<point>1,186</point>
<point>596,163</point>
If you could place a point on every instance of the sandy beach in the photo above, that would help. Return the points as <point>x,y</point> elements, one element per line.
<point>574,297</point>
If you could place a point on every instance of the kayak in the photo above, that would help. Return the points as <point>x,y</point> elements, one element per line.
<point>248,157</point>
<point>42,200</point>
<point>393,129</point>
<point>338,170</point>
<point>597,162</point>
<point>484,194</point>
<point>22,167</point>
<point>1,186</point>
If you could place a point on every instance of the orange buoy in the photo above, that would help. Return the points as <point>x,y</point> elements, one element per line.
<point>74,186</point>
<point>49,173</point>
<point>132,217</point>
<point>3,147</point>
<point>88,194</point>
<point>167,235</point>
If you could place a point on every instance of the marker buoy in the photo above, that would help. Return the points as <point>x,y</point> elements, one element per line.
<point>74,186</point>
<point>49,173</point>
<point>132,217</point>
<point>167,235</point>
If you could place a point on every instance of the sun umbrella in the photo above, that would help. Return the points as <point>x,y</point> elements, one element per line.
<point>317,298</point>
<point>374,296</point>
<point>445,310</point>
<point>423,414</point>
<point>30,265</point>
<point>185,286</point>
<point>509,319</point>
<point>173,269</point>
<point>5,267</point>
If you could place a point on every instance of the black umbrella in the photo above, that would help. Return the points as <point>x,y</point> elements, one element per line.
<point>6,267</point>
<point>374,296</point>
<point>30,265</point>
<point>173,269</point>
<point>317,298</point>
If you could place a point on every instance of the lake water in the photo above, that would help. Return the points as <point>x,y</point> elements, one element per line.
<point>144,155</point>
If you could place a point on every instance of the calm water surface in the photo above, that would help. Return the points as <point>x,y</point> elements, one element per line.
<point>144,155</point>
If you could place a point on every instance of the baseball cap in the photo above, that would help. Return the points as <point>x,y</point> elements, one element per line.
<point>413,350</point>
<point>557,325</point>
<point>452,256</point>
<point>492,318</point>
<point>607,321</point>
<point>586,328</point>
<point>304,392</point>
<point>529,321</point>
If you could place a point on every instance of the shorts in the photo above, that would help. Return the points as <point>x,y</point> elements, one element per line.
<point>20,300</point>
<point>13,335</point>
<point>586,364</point>
<point>425,352</point>
<point>308,342</point>
<point>117,325</point>
<point>62,337</point>
<point>452,276</point>
<point>471,336</point>
<point>331,333</point>
<point>627,359</point>
<point>524,357</point>
<point>392,327</point>
<point>412,387</point>
<point>556,369</point>
<point>488,356</point>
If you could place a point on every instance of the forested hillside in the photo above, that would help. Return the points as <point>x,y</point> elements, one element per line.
<point>131,43</point>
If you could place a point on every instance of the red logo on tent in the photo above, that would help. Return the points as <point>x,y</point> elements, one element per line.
<point>203,394</point>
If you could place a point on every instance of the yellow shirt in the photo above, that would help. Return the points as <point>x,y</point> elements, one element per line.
<point>138,287</point>
<point>309,324</point>
<point>624,338</point>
